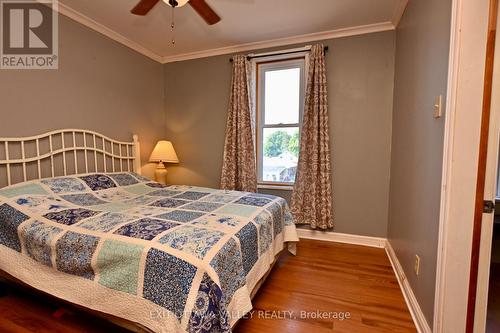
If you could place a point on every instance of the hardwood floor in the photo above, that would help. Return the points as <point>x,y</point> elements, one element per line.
<point>331,278</point>
<point>327,279</point>
<point>22,312</point>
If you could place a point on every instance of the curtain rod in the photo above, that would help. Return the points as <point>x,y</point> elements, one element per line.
<point>276,54</point>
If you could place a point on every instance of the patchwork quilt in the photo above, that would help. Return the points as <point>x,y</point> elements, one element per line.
<point>170,258</point>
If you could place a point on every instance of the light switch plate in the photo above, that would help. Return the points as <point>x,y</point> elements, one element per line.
<point>438,107</point>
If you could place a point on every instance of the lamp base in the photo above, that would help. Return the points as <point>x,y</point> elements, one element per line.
<point>161,173</point>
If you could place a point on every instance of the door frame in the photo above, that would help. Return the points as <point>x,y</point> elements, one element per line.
<point>464,105</point>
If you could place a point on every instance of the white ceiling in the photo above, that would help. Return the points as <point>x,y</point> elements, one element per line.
<point>246,24</point>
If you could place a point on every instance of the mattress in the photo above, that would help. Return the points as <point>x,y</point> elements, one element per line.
<point>170,258</point>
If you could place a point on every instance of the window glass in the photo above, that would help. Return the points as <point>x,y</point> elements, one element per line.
<point>280,154</point>
<point>280,99</point>
<point>282,96</point>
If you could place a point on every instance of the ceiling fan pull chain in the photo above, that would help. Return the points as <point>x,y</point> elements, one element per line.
<point>172,26</point>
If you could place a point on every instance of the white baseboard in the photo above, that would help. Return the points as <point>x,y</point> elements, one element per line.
<point>411,301</point>
<point>341,238</point>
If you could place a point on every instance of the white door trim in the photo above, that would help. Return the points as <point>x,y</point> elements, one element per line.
<point>460,156</point>
<point>446,168</point>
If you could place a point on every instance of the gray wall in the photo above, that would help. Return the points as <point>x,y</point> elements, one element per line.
<point>361,77</point>
<point>104,86</point>
<point>417,142</point>
<point>100,85</point>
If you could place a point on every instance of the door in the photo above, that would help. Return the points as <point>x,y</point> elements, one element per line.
<point>490,179</point>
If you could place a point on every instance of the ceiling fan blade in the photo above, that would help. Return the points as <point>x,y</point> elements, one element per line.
<point>143,7</point>
<point>204,10</point>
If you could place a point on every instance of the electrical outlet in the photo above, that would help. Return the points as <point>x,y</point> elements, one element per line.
<point>438,106</point>
<point>417,264</point>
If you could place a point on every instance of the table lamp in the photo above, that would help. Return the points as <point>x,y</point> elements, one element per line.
<point>163,153</point>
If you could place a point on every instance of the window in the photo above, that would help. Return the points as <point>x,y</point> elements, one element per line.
<point>280,102</point>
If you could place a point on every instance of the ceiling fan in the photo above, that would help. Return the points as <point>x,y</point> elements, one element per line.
<point>200,6</point>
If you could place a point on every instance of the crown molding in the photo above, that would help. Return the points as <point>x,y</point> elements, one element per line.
<point>338,33</point>
<point>399,10</point>
<point>90,23</point>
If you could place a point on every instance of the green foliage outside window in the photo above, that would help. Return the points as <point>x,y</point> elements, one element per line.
<point>280,142</point>
<point>294,144</point>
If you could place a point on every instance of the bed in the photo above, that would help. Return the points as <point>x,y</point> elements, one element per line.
<point>82,224</point>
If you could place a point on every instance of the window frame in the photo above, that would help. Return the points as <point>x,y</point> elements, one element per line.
<point>280,63</point>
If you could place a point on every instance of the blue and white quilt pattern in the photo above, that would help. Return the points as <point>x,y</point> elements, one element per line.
<point>192,253</point>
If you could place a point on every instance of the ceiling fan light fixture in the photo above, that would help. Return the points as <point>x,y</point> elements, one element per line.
<point>199,6</point>
<point>180,2</point>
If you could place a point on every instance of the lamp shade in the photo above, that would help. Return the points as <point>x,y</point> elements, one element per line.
<point>164,152</point>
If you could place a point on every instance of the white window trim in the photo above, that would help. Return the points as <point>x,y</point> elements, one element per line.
<point>275,62</point>
<point>288,187</point>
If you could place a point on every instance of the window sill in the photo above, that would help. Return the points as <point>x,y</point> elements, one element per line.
<point>275,187</point>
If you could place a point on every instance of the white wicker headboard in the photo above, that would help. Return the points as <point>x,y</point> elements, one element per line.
<point>65,152</point>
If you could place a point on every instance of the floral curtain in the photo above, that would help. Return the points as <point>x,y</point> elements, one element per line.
<point>239,170</point>
<point>312,193</point>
